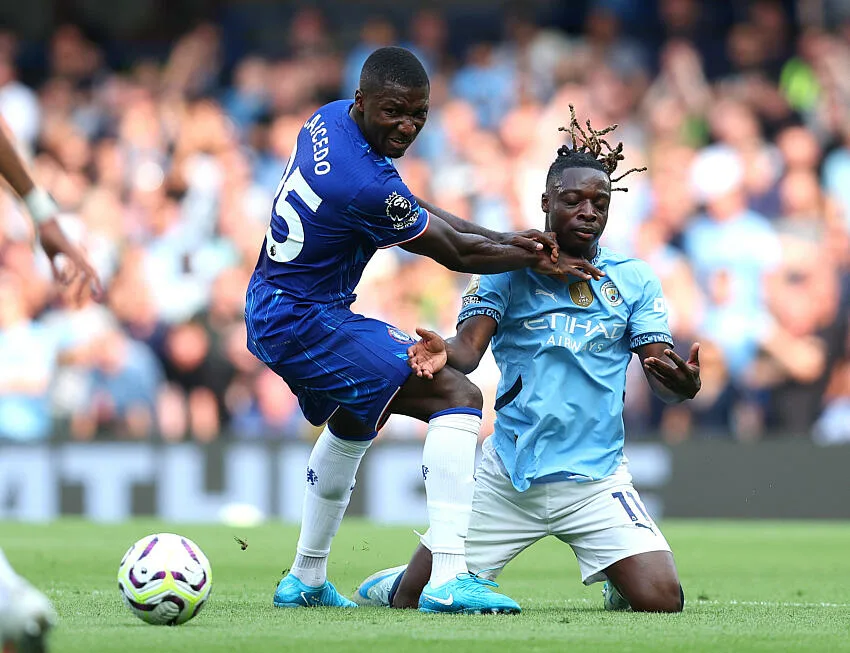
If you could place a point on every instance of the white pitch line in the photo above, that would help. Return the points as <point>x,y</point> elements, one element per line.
<point>733,602</point>
<point>776,604</point>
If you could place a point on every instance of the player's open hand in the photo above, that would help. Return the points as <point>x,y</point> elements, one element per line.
<point>70,265</point>
<point>428,355</point>
<point>533,240</point>
<point>682,377</point>
<point>568,266</point>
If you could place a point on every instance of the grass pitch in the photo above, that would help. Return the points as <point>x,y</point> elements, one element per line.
<point>755,586</point>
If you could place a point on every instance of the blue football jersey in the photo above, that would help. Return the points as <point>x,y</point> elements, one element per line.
<point>562,350</point>
<point>337,203</point>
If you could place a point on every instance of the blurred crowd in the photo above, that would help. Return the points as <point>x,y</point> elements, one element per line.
<point>166,170</point>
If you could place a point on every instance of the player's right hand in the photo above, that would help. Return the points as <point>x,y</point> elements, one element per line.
<point>568,266</point>
<point>73,267</point>
<point>427,356</point>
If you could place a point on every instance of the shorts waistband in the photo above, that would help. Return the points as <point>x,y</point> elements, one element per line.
<point>560,477</point>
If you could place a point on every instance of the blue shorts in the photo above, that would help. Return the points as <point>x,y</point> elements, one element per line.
<point>354,362</point>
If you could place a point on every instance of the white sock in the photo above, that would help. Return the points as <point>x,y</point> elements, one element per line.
<point>448,465</point>
<point>330,479</point>
<point>7,574</point>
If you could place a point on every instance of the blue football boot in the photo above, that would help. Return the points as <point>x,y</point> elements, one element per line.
<point>292,593</point>
<point>613,599</point>
<point>375,590</point>
<point>466,594</point>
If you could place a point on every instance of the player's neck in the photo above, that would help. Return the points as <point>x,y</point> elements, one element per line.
<point>586,253</point>
<point>358,120</point>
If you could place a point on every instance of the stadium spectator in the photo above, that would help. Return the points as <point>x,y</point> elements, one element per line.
<point>28,352</point>
<point>166,160</point>
<point>123,389</point>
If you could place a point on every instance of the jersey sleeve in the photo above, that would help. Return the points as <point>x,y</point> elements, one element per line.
<point>387,213</point>
<point>648,321</point>
<point>486,295</point>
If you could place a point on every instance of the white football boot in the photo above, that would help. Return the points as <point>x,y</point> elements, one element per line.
<point>26,615</point>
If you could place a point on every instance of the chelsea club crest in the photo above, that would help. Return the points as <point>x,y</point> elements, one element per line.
<point>399,336</point>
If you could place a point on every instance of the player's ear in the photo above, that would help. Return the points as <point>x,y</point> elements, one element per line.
<point>358,100</point>
<point>544,203</point>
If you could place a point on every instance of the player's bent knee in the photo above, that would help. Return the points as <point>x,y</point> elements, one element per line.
<point>662,597</point>
<point>456,390</point>
<point>467,394</point>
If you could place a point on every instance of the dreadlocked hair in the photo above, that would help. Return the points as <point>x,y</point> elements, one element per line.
<point>586,151</point>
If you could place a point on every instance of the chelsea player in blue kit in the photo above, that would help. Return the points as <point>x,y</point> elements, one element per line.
<point>555,464</point>
<point>339,200</point>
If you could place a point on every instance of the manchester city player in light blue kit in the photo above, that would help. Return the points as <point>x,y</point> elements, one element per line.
<point>339,200</point>
<point>555,463</point>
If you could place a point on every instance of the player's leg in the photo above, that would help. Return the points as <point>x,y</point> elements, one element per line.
<point>26,614</point>
<point>647,582</point>
<point>331,471</point>
<point>7,574</point>
<point>361,365</point>
<point>346,380</point>
<point>504,522</point>
<point>357,369</point>
<point>397,587</point>
<point>615,540</point>
<point>451,405</point>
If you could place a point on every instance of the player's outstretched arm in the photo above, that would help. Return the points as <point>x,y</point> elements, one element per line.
<point>463,352</point>
<point>671,378</point>
<point>12,168</point>
<point>470,342</point>
<point>43,210</point>
<point>466,252</point>
<point>530,239</point>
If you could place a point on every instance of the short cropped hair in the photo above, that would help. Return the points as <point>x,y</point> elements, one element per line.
<point>392,65</point>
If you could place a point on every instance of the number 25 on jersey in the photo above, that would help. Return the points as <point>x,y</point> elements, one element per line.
<point>293,182</point>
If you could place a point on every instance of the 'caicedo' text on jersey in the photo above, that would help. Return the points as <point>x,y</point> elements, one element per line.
<point>338,201</point>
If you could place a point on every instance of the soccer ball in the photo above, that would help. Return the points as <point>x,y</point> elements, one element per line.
<point>165,579</point>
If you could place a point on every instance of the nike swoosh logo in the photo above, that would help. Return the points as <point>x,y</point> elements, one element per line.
<point>447,601</point>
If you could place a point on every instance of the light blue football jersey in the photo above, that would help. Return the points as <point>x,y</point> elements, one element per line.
<point>562,350</point>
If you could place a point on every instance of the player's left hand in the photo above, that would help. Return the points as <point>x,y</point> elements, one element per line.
<point>427,356</point>
<point>73,266</point>
<point>682,377</point>
<point>533,240</point>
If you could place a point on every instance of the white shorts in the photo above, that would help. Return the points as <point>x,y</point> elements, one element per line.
<point>603,521</point>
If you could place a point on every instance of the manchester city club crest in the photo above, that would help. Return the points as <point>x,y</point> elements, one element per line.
<point>581,294</point>
<point>611,293</point>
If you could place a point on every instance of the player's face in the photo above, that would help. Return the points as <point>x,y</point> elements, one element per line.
<point>392,117</point>
<point>576,206</point>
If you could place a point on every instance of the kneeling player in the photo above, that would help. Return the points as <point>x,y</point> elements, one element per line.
<point>555,463</point>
